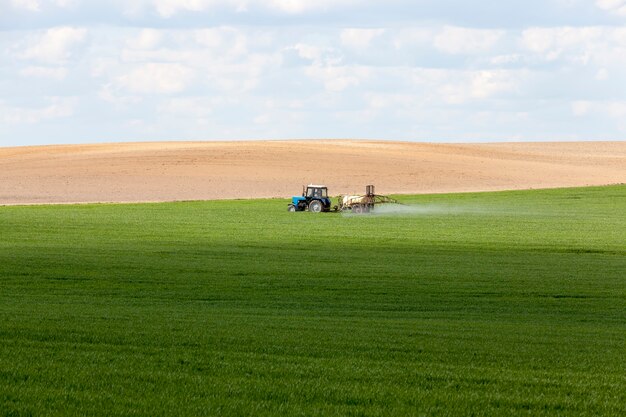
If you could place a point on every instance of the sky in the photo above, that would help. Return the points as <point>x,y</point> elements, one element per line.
<point>87,71</point>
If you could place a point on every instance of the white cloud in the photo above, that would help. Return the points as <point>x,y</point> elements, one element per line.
<point>55,45</point>
<point>58,107</point>
<point>170,8</point>
<point>613,109</point>
<point>111,94</point>
<point>101,66</point>
<point>462,86</point>
<point>489,83</point>
<point>580,107</point>
<point>192,107</point>
<point>54,73</point>
<point>263,119</point>
<point>157,78</point>
<point>617,110</point>
<point>30,5</point>
<point>210,38</point>
<point>318,55</point>
<point>419,37</point>
<point>390,100</point>
<point>604,47</point>
<point>602,74</point>
<point>167,8</point>
<point>614,6</point>
<point>311,52</point>
<point>181,68</point>
<point>38,5</point>
<point>146,39</point>
<point>280,115</point>
<point>233,42</point>
<point>538,39</point>
<point>395,75</point>
<point>242,76</point>
<point>65,3</point>
<point>298,6</point>
<point>304,6</point>
<point>553,41</point>
<point>506,59</point>
<point>172,55</point>
<point>379,100</point>
<point>359,38</point>
<point>338,78</point>
<point>222,58</point>
<point>458,40</point>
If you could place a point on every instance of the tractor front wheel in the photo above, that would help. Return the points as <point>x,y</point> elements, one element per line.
<point>291,208</point>
<point>315,206</point>
<point>357,209</point>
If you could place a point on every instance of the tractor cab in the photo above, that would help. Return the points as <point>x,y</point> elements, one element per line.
<point>314,198</point>
<point>316,191</point>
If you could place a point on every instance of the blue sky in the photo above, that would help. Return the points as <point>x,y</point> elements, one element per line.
<point>78,71</point>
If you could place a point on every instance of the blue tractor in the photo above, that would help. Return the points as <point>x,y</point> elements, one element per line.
<point>314,198</point>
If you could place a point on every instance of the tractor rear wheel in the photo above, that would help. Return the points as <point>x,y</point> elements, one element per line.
<point>357,209</point>
<point>292,208</point>
<point>315,206</point>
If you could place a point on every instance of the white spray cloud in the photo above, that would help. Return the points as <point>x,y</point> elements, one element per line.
<point>431,209</point>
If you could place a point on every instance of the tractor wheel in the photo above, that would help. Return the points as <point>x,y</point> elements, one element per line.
<point>357,209</point>
<point>315,206</point>
<point>291,208</point>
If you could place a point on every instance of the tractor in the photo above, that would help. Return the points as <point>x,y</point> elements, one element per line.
<point>314,198</point>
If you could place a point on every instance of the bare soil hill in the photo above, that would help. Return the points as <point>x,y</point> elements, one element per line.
<point>130,172</point>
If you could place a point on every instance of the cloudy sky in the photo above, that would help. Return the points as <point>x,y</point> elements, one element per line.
<point>79,71</point>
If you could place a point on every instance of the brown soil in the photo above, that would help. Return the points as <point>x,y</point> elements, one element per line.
<point>170,171</point>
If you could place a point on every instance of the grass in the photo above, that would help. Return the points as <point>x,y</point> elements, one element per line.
<point>510,303</point>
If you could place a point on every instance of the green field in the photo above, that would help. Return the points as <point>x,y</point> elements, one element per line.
<point>510,303</point>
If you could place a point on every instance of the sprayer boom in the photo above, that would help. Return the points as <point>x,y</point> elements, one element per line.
<point>364,203</point>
